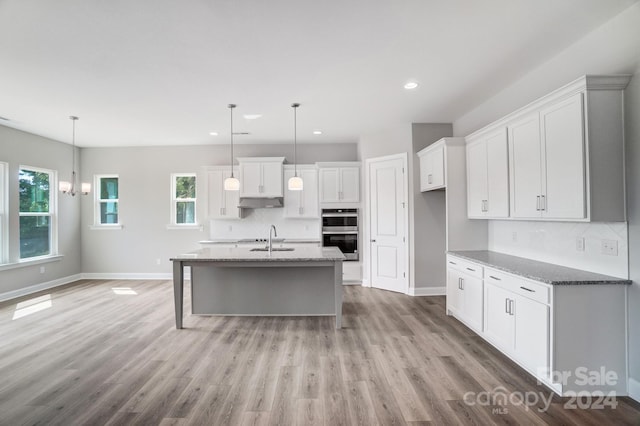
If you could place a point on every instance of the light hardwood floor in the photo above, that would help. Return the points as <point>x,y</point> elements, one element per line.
<point>95,357</point>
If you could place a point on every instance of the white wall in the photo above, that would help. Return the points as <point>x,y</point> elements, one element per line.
<point>612,48</point>
<point>20,148</point>
<point>144,209</point>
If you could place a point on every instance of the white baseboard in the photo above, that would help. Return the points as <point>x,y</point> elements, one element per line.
<point>25,291</point>
<point>127,276</point>
<point>365,282</point>
<point>634,389</point>
<point>427,291</point>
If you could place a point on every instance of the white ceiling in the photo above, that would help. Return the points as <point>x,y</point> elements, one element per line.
<point>161,72</point>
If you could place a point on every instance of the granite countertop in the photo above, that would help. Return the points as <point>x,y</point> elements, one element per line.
<point>253,241</point>
<point>244,254</point>
<point>538,271</point>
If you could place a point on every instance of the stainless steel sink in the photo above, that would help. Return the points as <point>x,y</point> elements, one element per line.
<point>273,249</point>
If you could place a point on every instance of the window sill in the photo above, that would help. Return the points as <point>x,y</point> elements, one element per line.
<point>190,226</point>
<point>105,227</point>
<point>30,262</point>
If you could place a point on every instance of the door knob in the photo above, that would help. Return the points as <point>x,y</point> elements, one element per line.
<point>373,241</point>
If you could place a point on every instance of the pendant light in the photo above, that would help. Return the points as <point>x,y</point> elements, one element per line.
<point>295,182</point>
<point>70,187</point>
<point>231,183</point>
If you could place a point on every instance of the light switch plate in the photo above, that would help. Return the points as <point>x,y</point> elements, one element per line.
<point>580,244</point>
<point>610,247</point>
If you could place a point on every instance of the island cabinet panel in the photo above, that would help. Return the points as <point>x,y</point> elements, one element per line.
<point>260,176</point>
<point>302,204</point>
<point>221,204</point>
<point>565,156</point>
<point>488,176</point>
<point>339,182</point>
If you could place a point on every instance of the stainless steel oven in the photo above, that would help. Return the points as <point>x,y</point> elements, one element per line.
<point>340,229</point>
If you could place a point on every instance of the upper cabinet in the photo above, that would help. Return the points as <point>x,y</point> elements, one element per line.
<point>221,204</point>
<point>302,204</point>
<point>565,157</point>
<point>487,176</point>
<point>339,182</point>
<point>432,167</point>
<point>260,176</point>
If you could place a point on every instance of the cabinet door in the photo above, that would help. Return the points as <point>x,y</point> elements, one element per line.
<point>531,333</point>
<point>350,185</point>
<point>476,179</point>
<point>329,185</point>
<point>497,204</point>
<point>499,323</point>
<point>250,179</point>
<point>309,199</point>
<point>221,204</point>
<point>271,179</point>
<point>425,169</point>
<point>525,167</point>
<point>473,301</point>
<point>437,168</point>
<point>455,297</point>
<point>562,128</point>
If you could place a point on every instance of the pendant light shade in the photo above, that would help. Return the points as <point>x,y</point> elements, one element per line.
<point>295,183</point>
<point>231,183</point>
<point>70,187</point>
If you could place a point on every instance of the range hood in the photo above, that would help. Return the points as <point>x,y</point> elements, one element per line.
<point>260,203</point>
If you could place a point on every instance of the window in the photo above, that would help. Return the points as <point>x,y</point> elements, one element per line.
<point>36,212</point>
<point>183,199</point>
<point>106,210</point>
<point>4,243</point>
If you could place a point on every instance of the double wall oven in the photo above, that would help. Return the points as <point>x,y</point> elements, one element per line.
<point>340,229</point>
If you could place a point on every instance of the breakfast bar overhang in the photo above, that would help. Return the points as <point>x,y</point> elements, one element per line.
<point>305,281</point>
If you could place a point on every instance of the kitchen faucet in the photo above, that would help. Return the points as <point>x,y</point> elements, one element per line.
<point>275,233</point>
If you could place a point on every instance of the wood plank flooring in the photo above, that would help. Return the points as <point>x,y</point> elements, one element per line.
<point>95,357</point>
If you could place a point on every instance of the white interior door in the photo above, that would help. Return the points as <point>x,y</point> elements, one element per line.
<point>387,189</point>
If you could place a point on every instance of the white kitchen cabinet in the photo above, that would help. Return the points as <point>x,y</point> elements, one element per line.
<point>517,319</point>
<point>302,204</point>
<point>432,166</point>
<point>261,176</point>
<point>547,162</point>
<point>221,204</point>
<point>488,176</point>
<point>565,155</point>
<point>464,292</point>
<point>339,182</point>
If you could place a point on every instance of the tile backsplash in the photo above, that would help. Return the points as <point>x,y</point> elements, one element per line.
<point>561,243</point>
<point>257,222</point>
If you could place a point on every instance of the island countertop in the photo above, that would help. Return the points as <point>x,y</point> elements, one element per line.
<point>245,254</point>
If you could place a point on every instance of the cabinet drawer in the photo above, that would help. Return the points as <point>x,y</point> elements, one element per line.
<point>527,288</point>
<point>465,266</point>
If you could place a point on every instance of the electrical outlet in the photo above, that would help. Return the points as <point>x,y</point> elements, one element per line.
<point>42,269</point>
<point>158,261</point>
<point>580,244</point>
<point>610,247</point>
<point>230,228</point>
<point>514,236</point>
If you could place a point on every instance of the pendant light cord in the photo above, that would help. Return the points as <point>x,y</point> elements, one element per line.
<point>231,107</point>
<point>295,139</point>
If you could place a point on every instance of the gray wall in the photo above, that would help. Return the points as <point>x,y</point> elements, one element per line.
<point>20,148</point>
<point>612,48</point>
<point>429,211</point>
<point>144,210</point>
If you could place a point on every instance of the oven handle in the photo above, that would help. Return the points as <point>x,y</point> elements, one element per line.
<point>339,214</point>
<point>340,232</point>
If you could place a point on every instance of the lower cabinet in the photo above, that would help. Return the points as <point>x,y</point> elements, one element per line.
<point>464,292</point>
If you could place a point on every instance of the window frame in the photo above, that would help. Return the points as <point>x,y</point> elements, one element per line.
<point>175,200</point>
<point>97,224</point>
<point>52,214</point>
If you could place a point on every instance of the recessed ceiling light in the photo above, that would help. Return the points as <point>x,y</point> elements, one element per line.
<point>317,132</point>
<point>213,133</point>
<point>252,116</point>
<point>410,85</point>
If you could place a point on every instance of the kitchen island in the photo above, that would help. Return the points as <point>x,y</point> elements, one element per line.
<point>300,281</point>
